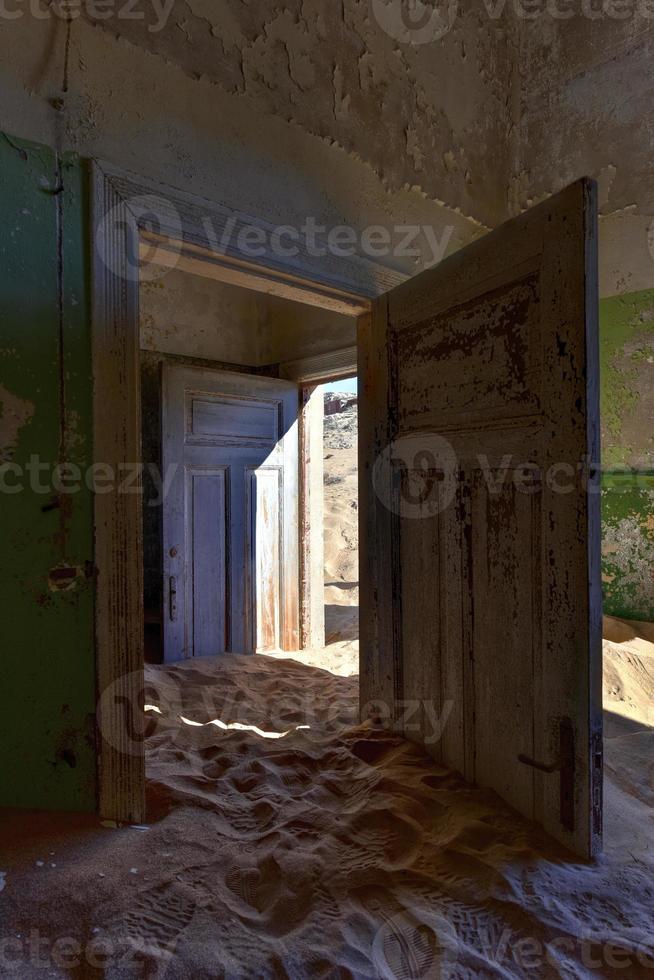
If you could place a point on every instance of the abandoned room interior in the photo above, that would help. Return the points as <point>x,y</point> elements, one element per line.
<point>327,489</point>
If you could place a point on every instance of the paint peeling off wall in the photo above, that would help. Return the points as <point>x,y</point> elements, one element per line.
<point>585,90</point>
<point>627,411</point>
<point>15,413</point>
<point>424,115</point>
<point>582,75</point>
<point>628,552</point>
<point>627,373</point>
<point>305,111</point>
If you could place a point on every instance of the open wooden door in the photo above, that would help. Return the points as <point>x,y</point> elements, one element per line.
<point>230,517</point>
<point>480,526</point>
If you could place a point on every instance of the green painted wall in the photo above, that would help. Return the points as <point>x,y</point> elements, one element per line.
<point>627,411</point>
<point>48,676</point>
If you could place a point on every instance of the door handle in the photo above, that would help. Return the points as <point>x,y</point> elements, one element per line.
<point>541,766</point>
<point>172,598</point>
<point>565,765</point>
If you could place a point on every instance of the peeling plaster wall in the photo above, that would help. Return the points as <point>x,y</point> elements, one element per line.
<point>284,113</point>
<point>627,407</point>
<point>586,91</point>
<point>314,109</point>
<point>47,731</point>
<point>333,71</point>
<point>584,107</point>
<point>628,547</point>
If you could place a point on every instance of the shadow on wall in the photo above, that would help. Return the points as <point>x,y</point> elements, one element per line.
<point>341,623</point>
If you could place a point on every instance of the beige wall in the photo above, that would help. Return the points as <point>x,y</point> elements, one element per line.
<point>585,108</point>
<point>290,331</point>
<point>194,316</point>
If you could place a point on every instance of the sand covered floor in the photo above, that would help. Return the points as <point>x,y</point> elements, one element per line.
<point>284,840</point>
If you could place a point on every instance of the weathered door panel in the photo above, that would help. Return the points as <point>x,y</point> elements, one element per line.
<point>265,548</point>
<point>230,517</point>
<point>206,592</point>
<point>480,586</point>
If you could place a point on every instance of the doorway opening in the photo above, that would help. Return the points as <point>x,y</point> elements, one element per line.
<point>234,450</point>
<point>628,654</point>
<point>250,517</point>
<point>341,523</point>
<point>627,494</point>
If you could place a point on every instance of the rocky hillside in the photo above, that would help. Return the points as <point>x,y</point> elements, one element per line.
<point>340,421</point>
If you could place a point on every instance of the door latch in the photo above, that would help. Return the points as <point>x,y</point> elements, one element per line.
<point>598,775</point>
<point>172,598</point>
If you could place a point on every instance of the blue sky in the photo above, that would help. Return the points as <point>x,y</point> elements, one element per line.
<point>349,385</point>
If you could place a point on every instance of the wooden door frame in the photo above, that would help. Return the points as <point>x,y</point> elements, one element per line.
<point>187,230</point>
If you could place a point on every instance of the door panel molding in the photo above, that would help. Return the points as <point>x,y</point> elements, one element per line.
<point>181,230</point>
<point>195,599</point>
<point>493,352</point>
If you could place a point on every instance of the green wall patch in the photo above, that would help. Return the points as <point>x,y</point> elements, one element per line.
<point>627,379</point>
<point>627,415</point>
<point>47,737</point>
<point>628,548</point>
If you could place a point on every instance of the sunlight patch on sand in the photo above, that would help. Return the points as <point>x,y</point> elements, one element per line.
<point>237,726</point>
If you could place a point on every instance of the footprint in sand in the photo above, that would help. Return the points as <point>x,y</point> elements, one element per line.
<point>407,948</point>
<point>249,818</point>
<point>404,942</point>
<point>152,926</point>
<point>279,898</point>
<point>294,771</point>
<point>256,885</point>
<point>394,839</point>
